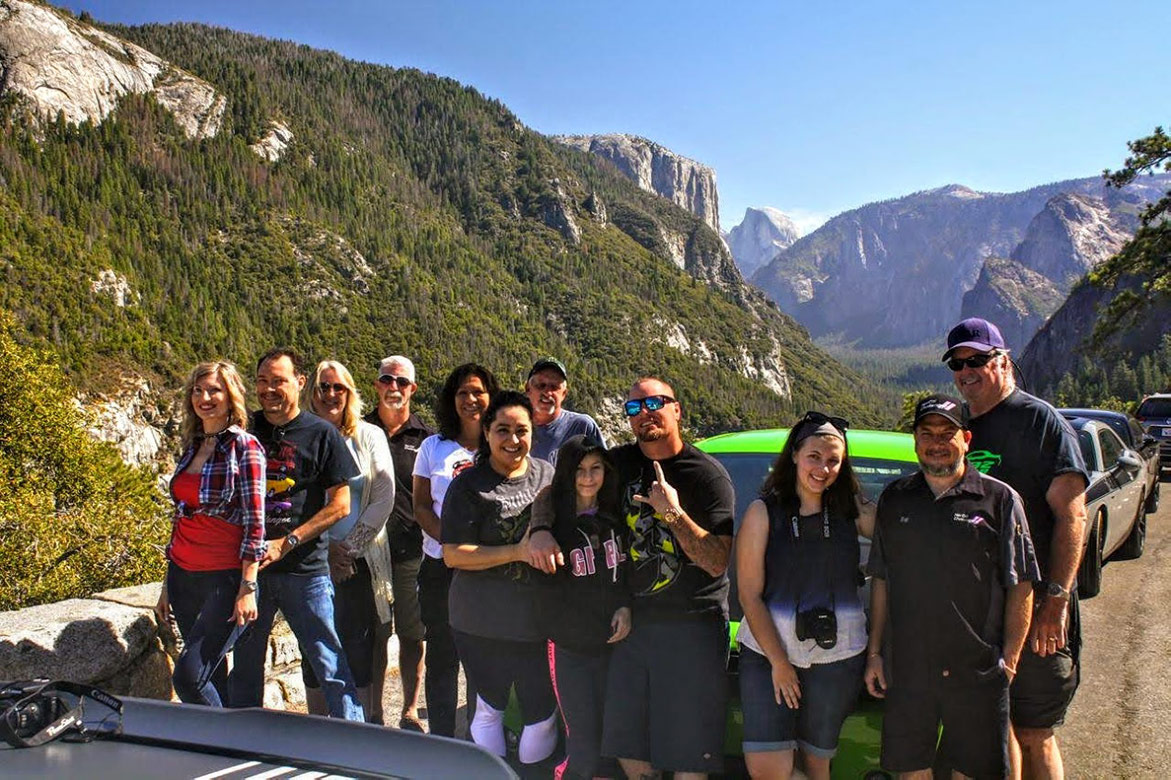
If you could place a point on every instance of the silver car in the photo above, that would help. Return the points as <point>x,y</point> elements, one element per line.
<point>1114,501</point>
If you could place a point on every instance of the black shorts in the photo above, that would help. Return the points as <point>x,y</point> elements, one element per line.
<point>1043,688</point>
<point>667,696</point>
<point>975,728</point>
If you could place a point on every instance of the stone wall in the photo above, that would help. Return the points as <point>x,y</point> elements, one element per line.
<point>114,641</point>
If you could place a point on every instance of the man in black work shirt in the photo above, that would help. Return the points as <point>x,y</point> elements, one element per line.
<point>404,432</point>
<point>952,566</point>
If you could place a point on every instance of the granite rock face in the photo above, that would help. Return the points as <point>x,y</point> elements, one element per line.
<point>894,273</point>
<point>133,420</point>
<point>1068,238</point>
<point>65,67</point>
<point>657,169</point>
<point>81,640</point>
<point>274,143</point>
<point>759,237</point>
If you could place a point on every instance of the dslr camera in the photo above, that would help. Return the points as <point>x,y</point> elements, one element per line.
<point>819,624</point>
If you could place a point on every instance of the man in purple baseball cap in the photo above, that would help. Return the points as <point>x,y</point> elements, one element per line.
<point>1022,440</point>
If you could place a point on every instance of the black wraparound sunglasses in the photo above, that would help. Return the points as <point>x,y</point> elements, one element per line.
<point>974,361</point>
<point>817,419</point>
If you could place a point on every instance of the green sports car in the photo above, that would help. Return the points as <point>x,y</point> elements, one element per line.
<point>878,458</point>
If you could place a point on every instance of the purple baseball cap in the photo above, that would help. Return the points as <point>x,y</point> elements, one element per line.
<point>979,334</point>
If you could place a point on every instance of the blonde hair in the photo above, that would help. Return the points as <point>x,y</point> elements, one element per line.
<point>352,412</point>
<point>192,426</point>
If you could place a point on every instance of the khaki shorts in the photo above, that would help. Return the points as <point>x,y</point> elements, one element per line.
<point>407,621</point>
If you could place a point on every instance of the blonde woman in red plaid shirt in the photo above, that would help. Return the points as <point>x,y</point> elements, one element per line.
<point>217,535</point>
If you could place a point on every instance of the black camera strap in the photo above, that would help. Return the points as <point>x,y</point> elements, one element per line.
<point>795,526</point>
<point>71,719</point>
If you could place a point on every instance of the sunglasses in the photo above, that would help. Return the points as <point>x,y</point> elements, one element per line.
<point>337,387</point>
<point>652,403</point>
<point>401,381</point>
<point>818,419</point>
<point>975,361</point>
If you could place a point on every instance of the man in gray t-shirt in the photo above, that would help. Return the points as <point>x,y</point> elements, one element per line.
<point>547,388</point>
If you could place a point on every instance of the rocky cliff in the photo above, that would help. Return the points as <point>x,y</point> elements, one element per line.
<point>657,169</point>
<point>78,71</point>
<point>894,273</point>
<point>1068,238</point>
<point>1061,342</point>
<point>1013,296</point>
<point>759,237</point>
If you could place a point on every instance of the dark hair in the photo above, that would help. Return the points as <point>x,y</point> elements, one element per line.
<point>569,457</point>
<point>278,352</point>
<point>445,414</point>
<point>781,482</point>
<point>501,400</point>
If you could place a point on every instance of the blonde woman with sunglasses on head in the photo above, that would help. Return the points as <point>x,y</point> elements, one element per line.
<point>359,556</point>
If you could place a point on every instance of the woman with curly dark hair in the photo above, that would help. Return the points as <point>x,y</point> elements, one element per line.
<point>495,590</point>
<point>803,637</point>
<point>461,404</point>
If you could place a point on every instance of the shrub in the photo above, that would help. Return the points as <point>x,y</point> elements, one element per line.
<point>74,518</point>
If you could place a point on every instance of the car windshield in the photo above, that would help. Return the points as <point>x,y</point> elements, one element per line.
<point>748,471</point>
<point>1154,407</point>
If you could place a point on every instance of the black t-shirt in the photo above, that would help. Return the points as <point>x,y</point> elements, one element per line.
<point>947,562</point>
<point>485,508</point>
<point>404,534</point>
<point>1024,441</point>
<point>667,585</point>
<point>306,457</point>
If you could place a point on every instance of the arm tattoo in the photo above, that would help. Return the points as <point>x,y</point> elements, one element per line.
<point>708,551</point>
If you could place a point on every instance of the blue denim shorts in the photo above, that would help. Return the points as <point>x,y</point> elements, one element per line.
<point>829,692</point>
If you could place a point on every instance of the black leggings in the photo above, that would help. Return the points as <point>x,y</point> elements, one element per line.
<point>441,683</point>
<point>579,680</point>
<point>493,666</point>
<point>355,618</point>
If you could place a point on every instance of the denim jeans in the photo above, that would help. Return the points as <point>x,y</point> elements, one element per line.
<point>307,604</point>
<point>202,603</point>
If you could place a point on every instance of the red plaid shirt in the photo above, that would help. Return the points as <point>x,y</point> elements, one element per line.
<point>231,487</point>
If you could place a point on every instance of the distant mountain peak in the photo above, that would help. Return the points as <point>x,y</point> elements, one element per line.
<point>758,238</point>
<point>958,191</point>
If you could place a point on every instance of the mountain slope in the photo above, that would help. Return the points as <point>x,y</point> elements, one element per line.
<point>894,273</point>
<point>407,214</point>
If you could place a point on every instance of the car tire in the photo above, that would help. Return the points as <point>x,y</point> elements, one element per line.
<point>1133,546</point>
<point>1089,574</point>
<point>1153,500</point>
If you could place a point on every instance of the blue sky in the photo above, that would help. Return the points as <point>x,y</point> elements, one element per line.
<point>813,108</point>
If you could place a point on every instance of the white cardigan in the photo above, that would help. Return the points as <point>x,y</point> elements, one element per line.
<point>368,538</point>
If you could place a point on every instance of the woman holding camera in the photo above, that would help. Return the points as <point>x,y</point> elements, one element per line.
<point>803,637</point>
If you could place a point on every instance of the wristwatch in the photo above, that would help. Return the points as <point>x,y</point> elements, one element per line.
<point>1054,591</point>
<point>248,586</point>
<point>671,516</point>
<point>291,541</point>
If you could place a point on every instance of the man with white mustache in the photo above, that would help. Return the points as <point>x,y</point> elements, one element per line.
<point>404,433</point>
<point>952,568</point>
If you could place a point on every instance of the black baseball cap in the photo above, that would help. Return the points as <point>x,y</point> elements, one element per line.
<point>944,406</point>
<point>974,332</point>
<point>549,362</point>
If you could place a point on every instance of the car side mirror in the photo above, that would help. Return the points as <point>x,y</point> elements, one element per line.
<point>1148,440</point>
<point>1128,460</point>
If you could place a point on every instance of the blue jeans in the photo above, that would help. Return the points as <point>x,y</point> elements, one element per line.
<point>202,603</point>
<point>307,604</point>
